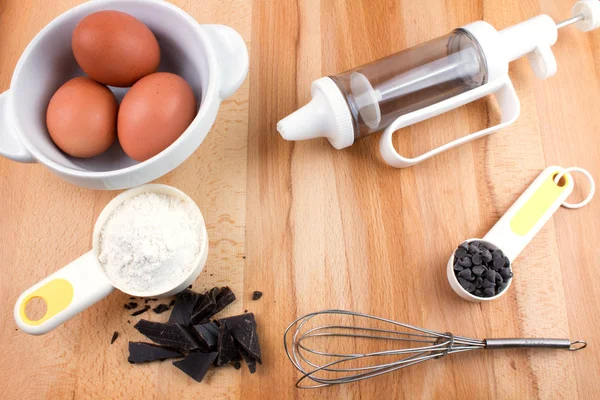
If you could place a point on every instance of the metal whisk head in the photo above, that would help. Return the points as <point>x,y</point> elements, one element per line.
<point>348,351</point>
<point>330,367</point>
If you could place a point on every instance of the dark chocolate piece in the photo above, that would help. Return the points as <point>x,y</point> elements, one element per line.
<point>132,298</point>
<point>196,364</point>
<point>133,304</point>
<point>161,308</point>
<point>127,306</point>
<point>140,352</point>
<point>256,295</point>
<point>237,365</point>
<point>461,252</point>
<point>114,337</point>
<point>172,335</point>
<point>206,335</point>
<point>478,270</point>
<point>185,302</point>
<point>226,347</point>
<point>224,298</point>
<point>243,329</point>
<point>250,362</point>
<point>140,311</point>
<point>172,303</point>
<point>205,308</point>
<point>465,274</point>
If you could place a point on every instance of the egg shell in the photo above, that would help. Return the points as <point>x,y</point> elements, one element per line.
<point>154,113</point>
<point>115,48</point>
<point>82,118</point>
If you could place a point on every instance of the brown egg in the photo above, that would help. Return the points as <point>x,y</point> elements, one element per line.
<point>154,113</point>
<point>115,48</point>
<point>82,117</point>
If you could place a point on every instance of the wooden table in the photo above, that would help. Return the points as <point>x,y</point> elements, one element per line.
<point>316,228</point>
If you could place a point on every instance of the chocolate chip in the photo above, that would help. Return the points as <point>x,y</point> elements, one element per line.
<point>498,263</point>
<point>477,259</point>
<point>490,275</point>
<point>256,295</point>
<point>478,282</point>
<point>460,253</point>
<point>458,267</point>
<point>499,277</point>
<point>140,311</point>
<point>464,283</point>
<point>161,308</point>
<point>489,292</point>
<point>473,249</point>
<point>486,255</point>
<point>478,270</point>
<point>502,286</point>
<point>504,272</point>
<point>487,284</point>
<point>465,274</point>
<point>114,337</point>
<point>465,262</point>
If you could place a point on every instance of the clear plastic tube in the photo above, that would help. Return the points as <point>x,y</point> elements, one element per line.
<point>379,92</point>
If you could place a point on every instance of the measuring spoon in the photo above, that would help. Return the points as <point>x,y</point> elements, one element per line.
<point>521,223</point>
<point>83,282</point>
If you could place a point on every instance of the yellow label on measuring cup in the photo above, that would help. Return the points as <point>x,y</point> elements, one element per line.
<point>58,294</point>
<point>537,205</point>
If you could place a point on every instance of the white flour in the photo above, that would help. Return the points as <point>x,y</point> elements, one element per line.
<point>149,243</point>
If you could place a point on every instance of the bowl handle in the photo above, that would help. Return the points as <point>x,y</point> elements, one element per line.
<point>232,56</point>
<point>66,293</point>
<point>10,146</point>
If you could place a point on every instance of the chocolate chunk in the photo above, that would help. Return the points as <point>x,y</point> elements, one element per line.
<point>478,270</point>
<point>172,303</point>
<point>133,304</point>
<point>461,252</point>
<point>256,295</point>
<point>205,308</point>
<point>487,284</point>
<point>465,274</point>
<point>127,307</point>
<point>237,365</point>
<point>196,364</point>
<point>189,287</point>
<point>224,298</point>
<point>140,311</point>
<point>250,362</point>
<point>226,347</point>
<point>161,308</point>
<point>185,302</point>
<point>489,292</point>
<point>114,337</point>
<point>206,335</point>
<point>171,335</point>
<point>140,352</point>
<point>243,329</point>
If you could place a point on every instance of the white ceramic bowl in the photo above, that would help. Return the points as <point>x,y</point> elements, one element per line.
<point>213,59</point>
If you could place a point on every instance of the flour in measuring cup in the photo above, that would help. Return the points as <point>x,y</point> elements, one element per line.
<point>149,243</point>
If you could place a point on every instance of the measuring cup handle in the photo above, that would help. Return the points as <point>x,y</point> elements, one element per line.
<point>66,293</point>
<point>530,212</point>
<point>508,102</point>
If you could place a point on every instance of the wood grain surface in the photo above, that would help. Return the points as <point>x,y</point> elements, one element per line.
<point>316,228</point>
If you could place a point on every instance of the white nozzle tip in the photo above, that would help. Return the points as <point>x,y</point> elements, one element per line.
<point>590,9</point>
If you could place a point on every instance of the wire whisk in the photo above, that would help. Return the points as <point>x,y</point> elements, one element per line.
<point>327,367</point>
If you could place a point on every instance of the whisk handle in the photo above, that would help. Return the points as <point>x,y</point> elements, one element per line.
<point>534,343</point>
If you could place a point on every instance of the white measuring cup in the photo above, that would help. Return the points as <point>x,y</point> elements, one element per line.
<point>524,219</point>
<point>83,282</point>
